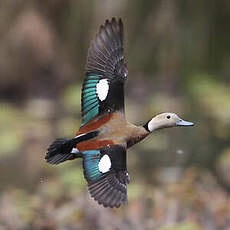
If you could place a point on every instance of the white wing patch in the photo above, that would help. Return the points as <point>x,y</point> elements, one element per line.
<point>75,150</point>
<point>102,89</point>
<point>104,164</point>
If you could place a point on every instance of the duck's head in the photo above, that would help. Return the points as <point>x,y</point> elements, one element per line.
<point>166,120</point>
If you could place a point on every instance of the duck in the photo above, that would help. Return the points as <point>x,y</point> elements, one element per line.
<point>105,135</point>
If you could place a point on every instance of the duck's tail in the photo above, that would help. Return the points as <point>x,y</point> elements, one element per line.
<point>63,149</point>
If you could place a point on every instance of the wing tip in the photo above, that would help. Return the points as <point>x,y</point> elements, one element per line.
<point>108,191</point>
<point>109,198</point>
<point>115,24</point>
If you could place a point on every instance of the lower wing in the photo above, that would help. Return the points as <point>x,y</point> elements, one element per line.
<point>107,176</point>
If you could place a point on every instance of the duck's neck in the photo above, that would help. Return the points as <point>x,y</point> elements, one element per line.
<point>138,134</point>
<point>153,125</point>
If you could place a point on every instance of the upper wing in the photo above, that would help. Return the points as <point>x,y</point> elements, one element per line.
<point>107,176</point>
<point>106,72</point>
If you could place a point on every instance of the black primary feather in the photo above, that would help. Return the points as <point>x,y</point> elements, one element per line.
<point>111,191</point>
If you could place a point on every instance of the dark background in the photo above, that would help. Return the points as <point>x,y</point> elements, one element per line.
<point>178,55</point>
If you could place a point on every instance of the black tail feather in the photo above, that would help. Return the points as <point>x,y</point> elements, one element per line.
<point>61,149</point>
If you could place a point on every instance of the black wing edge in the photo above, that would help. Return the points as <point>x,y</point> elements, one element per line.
<point>106,52</point>
<point>111,191</point>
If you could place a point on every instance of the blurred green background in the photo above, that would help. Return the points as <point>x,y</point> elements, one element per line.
<point>178,55</point>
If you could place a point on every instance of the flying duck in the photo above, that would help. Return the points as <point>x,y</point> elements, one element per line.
<point>105,134</point>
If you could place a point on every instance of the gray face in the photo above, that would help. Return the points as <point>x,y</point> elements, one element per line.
<point>166,120</point>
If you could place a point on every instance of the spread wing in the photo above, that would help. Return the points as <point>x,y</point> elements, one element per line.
<point>107,176</point>
<point>106,72</point>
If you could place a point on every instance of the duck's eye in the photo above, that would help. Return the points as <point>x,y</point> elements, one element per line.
<point>168,117</point>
